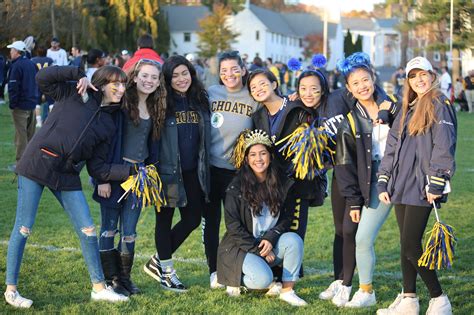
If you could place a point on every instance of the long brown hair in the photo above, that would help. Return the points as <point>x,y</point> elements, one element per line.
<point>255,193</point>
<point>155,102</point>
<point>424,115</point>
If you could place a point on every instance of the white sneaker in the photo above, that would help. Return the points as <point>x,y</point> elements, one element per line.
<point>440,306</point>
<point>291,298</point>
<point>402,306</point>
<point>16,300</point>
<point>342,296</point>
<point>362,299</point>
<point>214,283</point>
<point>331,291</point>
<point>108,295</point>
<point>233,291</point>
<point>274,289</point>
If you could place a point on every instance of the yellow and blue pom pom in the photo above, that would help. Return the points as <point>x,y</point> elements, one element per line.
<point>309,148</point>
<point>439,249</point>
<point>145,188</point>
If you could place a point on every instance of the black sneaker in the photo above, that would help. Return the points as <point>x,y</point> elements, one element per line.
<point>170,281</point>
<point>153,268</point>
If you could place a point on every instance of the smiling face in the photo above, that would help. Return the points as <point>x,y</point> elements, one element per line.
<point>261,88</point>
<point>181,80</point>
<point>113,92</point>
<point>147,79</point>
<point>231,74</point>
<point>420,81</point>
<point>361,84</point>
<point>310,91</point>
<point>258,159</point>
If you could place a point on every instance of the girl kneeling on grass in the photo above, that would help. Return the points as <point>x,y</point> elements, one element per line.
<point>419,153</point>
<point>258,223</point>
<point>78,129</point>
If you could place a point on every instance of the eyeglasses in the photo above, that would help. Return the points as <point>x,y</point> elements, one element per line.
<point>147,61</point>
<point>228,54</point>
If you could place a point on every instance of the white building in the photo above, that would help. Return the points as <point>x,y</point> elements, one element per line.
<point>183,26</point>
<point>380,39</point>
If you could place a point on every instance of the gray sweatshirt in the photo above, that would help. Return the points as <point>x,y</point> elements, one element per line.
<point>230,114</point>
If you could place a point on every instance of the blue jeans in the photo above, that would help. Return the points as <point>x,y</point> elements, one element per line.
<point>75,204</point>
<point>371,220</point>
<point>257,273</point>
<point>128,219</point>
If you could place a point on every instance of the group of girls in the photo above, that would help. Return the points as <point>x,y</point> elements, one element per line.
<point>168,119</point>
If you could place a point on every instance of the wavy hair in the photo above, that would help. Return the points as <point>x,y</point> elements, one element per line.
<point>155,102</point>
<point>424,114</point>
<point>196,94</point>
<point>270,192</point>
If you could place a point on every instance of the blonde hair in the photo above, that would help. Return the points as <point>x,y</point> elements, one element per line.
<point>424,115</point>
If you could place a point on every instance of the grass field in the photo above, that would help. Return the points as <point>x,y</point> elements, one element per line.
<point>54,274</point>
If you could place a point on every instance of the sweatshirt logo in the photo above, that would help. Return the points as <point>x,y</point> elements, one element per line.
<point>187,117</point>
<point>217,119</point>
<point>232,107</point>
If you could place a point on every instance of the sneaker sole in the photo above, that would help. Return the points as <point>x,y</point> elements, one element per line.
<point>174,290</point>
<point>151,274</point>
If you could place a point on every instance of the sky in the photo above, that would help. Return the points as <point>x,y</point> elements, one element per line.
<point>345,5</point>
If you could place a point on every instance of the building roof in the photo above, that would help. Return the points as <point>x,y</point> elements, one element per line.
<point>388,23</point>
<point>274,21</point>
<point>184,18</point>
<point>307,23</point>
<point>358,24</point>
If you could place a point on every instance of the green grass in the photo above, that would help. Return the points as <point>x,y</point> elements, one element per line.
<point>57,280</point>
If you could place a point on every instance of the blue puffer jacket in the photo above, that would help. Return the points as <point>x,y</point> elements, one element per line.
<point>22,88</point>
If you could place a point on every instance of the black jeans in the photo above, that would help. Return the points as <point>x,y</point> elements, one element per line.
<point>344,261</point>
<point>167,239</point>
<point>412,222</point>
<point>220,179</point>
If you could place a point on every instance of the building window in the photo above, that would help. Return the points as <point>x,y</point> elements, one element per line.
<point>436,56</point>
<point>257,35</point>
<point>187,37</point>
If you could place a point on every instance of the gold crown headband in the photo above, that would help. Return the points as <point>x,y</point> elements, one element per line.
<point>246,139</point>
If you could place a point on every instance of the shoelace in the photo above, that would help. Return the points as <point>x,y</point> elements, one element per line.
<point>174,279</point>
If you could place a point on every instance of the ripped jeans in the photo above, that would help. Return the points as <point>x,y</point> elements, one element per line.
<point>128,219</point>
<point>75,204</point>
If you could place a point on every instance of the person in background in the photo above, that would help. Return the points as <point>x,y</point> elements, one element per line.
<point>42,106</point>
<point>445,82</point>
<point>145,51</point>
<point>469,90</point>
<point>258,220</point>
<point>398,78</point>
<point>3,66</point>
<point>94,59</point>
<point>56,53</point>
<point>273,69</point>
<point>23,94</point>
<point>211,75</point>
<point>76,55</point>
<point>30,44</point>
<point>257,63</point>
<point>183,167</point>
<point>418,163</point>
<point>126,56</point>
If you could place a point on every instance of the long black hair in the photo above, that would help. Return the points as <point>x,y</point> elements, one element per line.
<point>196,94</point>
<point>269,192</point>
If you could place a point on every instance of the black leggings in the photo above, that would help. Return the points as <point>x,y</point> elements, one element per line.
<point>168,239</point>
<point>343,254</point>
<point>220,179</point>
<point>412,222</point>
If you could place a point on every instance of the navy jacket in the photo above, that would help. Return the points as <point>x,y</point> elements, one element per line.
<point>435,152</point>
<point>22,88</point>
<point>75,132</point>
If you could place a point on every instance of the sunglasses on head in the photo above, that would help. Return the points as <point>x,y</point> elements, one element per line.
<point>147,61</point>
<point>228,54</point>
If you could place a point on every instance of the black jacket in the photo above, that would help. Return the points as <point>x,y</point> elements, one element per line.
<point>238,239</point>
<point>435,152</point>
<point>354,154</point>
<point>295,113</point>
<point>73,133</point>
<point>22,89</point>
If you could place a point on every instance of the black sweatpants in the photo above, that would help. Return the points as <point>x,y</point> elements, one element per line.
<point>299,222</point>
<point>168,239</point>
<point>412,222</point>
<point>211,216</point>
<point>343,254</point>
